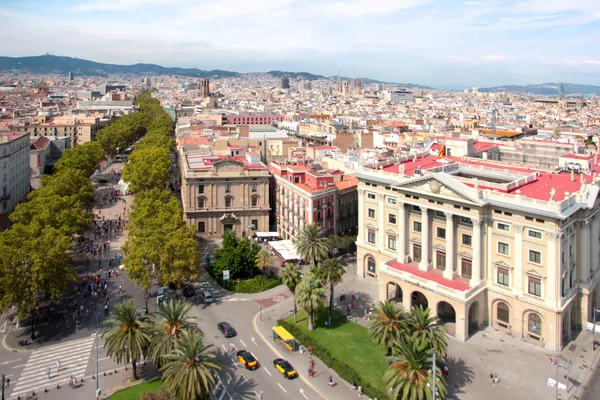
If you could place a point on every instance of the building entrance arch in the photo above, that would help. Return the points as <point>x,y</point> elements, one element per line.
<point>418,299</point>
<point>446,312</point>
<point>473,318</point>
<point>394,292</point>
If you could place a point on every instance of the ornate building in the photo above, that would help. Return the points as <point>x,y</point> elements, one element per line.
<point>484,244</point>
<point>224,192</point>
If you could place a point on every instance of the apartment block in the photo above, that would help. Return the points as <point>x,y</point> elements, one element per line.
<point>14,173</point>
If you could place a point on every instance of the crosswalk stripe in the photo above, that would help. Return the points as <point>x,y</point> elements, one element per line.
<point>74,358</point>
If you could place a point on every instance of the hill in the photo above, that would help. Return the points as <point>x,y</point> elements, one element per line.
<point>545,89</point>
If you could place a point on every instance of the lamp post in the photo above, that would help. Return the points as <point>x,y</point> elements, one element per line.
<point>3,382</point>
<point>32,325</point>
<point>433,382</point>
<point>97,329</point>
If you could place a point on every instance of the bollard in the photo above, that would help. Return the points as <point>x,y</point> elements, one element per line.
<point>126,368</point>
<point>93,377</point>
<point>105,374</point>
<point>45,390</point>
<point>58,386</point>
<point>82,380</point>
<point>116,371</point>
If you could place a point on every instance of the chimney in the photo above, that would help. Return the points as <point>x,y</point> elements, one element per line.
<point>572,176</point>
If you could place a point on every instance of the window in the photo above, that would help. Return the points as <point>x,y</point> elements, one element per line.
<point>439,214</point>
<point>466,268</point>
<point>254,201</point>
<point>371,213</point>
<point>441,233</point>
<point>535,286</point>
<point>534,324</point>
<point>466,220</point>
<point>201,226</point>
<point>391,200</point>
<point>503,276</point>
<point>440,260</point>
<point>503,313</point>
<point>503,227</point>
<point>371,196</point>
<point>535,257</point>
<point>228,188</point>
<point>200,189</point>
<point>416,208</point>
<point>535,234</point>
<point>529,218</point>
<point>392,242</point>
<point>228,201</point>
<point>467,240</point>
<point>392,219</point>
<point>201,202</point>
<point>417,252</point>
<point>416,226</point>
<point>371,236</point>
<point>254,187</point>
<point>371,264</point>
<point>503,248</point>
<point>254,224</point>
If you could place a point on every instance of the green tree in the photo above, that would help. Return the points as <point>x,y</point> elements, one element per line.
<point>85,158</point>
<point>408,375</point>
<point>148,168</point>
<point>166,333</point>
<point>264,260</point>
<point>388,324</point>
<point>422,325</point>
<point>188,371</point>
<point>310,296</point>
<point>290,275</point>
<point>127,335</point>
<point>237,256</point>
<point>312,244</point>
<point>331,272</point>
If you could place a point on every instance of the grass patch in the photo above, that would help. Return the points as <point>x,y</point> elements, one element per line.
<point>348,343</point>
<point>136,392</point>
<point>253,285</point>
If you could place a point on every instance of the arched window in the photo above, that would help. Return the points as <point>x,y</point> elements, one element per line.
<point>534,324</point>
<point>254,201</point>
<point>503,313</point>
<point>228,201</point>
<point>371,265</point>
<point>201,202</point>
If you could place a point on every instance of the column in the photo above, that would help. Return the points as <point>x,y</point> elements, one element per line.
<point>594,245</point>
<point>477,238</point>
<point>360,237</point>
<point>450,271</point>
<point>381,217</point>
<point>553,270</point>
<point>402,236</point>
<point>584,251</point>
<point>425,263</point>
<point>518,257</point>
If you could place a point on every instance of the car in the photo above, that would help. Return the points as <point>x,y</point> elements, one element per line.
<point>188,291</point>
<point>226,329</point>
<point>206,296</point>
<point>247,359</point>
<point>285,368</point>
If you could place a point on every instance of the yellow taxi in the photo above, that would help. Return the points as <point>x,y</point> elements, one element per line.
<point>247,359</point>
<point>285,368</point>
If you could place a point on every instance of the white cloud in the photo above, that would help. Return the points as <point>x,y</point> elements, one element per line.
<point>368,7</point>
<point>116,5</point>
<point>493,57</point>
<point>592,62</point>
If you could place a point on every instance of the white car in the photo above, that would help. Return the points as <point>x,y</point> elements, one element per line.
<point>206,296</point>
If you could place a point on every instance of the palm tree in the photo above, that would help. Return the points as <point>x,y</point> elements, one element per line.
<point>127,334</point>
<point>310,296</point>
<point>422,325</point>
<point>264,259</point>
<point>312,244</point>
<point>331,272</point>
<point>408,375</point>
<point>167,330</point>
<point>388,324</point>
<point>188,371</point>
<point>290,275</point>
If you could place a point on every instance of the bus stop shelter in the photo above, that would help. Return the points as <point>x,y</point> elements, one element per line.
<point>280,333</point>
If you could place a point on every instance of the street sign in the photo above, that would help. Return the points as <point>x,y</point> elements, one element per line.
<point>238,280</point>
<point>226,275</point>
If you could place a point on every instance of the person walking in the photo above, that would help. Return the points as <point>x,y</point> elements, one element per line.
<point>49,373</point>
<point>58,366</point>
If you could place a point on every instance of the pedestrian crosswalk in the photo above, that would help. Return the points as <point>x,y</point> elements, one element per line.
<point>74,357</point>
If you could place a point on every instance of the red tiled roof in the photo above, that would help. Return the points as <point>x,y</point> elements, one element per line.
<point>434,275</point>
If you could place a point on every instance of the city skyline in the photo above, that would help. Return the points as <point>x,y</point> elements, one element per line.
<point>471,43</point>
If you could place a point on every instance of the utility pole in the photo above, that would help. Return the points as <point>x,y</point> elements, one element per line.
<point>433,384</point>
<point>594,330</point>
<point>97,328</point>
<point>3,382</point>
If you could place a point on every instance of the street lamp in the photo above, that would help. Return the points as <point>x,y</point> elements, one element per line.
<point>3,382</point>
<point>32,326</point>
<point>97,329</point>
<point>594,328</point>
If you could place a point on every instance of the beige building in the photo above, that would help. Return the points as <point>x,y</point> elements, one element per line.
<point>484,244</point>
<point>221,192</point>
<point>14,173</point>
<point>81,129</point>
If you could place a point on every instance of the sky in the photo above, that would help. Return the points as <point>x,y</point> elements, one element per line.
<point>431,42</point>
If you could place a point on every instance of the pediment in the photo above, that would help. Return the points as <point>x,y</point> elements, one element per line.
<point>229,165</point>
<point>438,185</point>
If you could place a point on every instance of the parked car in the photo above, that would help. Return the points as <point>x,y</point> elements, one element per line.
<point>206,296</point>
<point>226,329</point>
<point>188,291</point>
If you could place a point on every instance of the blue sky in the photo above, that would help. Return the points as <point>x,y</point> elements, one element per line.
<point>472,43</point>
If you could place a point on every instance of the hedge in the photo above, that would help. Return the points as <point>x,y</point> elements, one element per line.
<point>345,371</point>
<point>254,285</point>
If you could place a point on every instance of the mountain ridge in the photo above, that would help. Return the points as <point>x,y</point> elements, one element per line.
<point>548,88</point>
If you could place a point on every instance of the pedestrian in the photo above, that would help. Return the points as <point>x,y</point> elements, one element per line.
<point>49,373</point>
<point>353,387</point>
<point>310,371</point>
<point>360,391</point>
<point>330,381</point>
<point>58,366</point>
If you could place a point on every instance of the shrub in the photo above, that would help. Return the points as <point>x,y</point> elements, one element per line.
<point>162,394</point>
<point>345,371</point>
<point>255,285</point>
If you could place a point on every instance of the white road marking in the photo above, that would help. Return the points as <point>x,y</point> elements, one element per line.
<point>302,393</point>
<point>282,387</point>
<point>257,395</point>
<point>233,345</point>
<point>3,328</point>
<point>104,358</point>
<point>267,371</point>
<point>232,360</point>
<point>224,348</point>
<point>246,379</point>
<point>11,361</point>
<point>243,343</point>
<point>19,366</point>
<point>254,341</point>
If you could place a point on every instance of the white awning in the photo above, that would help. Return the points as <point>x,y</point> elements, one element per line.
<point>286,249</point>
<point>267,234</point>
